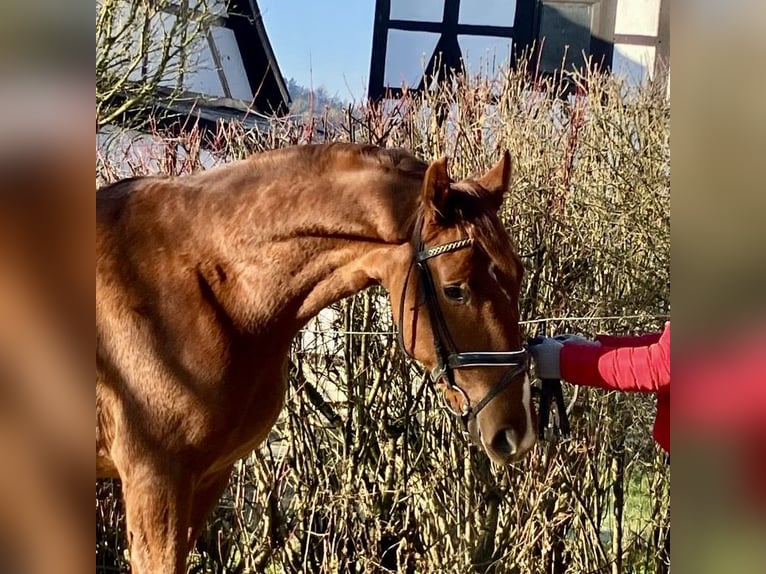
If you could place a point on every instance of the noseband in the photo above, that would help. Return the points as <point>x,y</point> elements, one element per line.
<point>447,356</point>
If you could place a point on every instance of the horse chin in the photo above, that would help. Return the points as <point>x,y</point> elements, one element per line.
<point>503,460</point>
<point>498,458</point>
<point>474,433</point>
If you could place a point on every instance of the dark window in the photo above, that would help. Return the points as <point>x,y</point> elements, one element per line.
<point>574,27</point>
<point>565,30</point>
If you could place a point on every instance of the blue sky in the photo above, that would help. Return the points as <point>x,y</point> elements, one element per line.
<point>322,42</point>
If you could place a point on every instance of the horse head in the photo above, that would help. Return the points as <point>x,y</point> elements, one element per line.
<point>457,308</point>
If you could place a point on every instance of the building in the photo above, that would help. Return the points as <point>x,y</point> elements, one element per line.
<point>629,37</point>
<point>232,75</point>
<point>237,72</point>
<point>205,64</point>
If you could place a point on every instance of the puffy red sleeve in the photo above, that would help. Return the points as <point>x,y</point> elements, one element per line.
<point>628,340</point>
<point>644,368</point>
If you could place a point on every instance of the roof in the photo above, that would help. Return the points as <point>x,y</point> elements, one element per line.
<point>263,73</point>
<point>239,78</point>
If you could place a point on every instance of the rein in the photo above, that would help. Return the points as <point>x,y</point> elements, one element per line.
<point>550,393</point>
<point>448,357</point>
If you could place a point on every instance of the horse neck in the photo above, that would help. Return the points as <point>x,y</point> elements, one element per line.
<point>324,239</point>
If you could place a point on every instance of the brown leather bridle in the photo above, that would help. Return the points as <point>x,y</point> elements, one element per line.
<point>448,357</point>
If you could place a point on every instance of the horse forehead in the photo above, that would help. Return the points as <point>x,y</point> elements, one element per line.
<point>499,269</point>
<point>471,264</point>
<point>506,290</point>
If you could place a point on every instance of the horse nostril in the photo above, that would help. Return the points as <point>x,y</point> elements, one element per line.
<point>505,442</point>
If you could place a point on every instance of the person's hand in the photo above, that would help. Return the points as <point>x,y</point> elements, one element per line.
<point>545,353</point>
<point>577,339</point>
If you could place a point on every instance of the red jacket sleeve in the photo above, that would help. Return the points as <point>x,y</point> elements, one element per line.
<point>644,368</point>
<point>628,340</point>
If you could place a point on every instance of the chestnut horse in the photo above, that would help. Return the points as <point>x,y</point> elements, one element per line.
<point>203,280</point>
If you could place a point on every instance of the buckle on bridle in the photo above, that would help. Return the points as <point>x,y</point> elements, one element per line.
<point>441,375</point>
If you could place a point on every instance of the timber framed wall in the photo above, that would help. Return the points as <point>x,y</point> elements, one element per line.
<point>413,40</point>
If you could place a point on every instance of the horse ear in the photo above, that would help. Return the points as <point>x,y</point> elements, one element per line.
<point>436,187</point>
<point>496,180</point>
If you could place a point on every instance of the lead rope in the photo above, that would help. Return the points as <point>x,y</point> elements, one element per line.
<point>550,393</point>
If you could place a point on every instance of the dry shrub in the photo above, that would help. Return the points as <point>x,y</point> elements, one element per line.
<point>365,472</point>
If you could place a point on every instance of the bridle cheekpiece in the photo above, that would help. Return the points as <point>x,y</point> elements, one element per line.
<point>448,357</point>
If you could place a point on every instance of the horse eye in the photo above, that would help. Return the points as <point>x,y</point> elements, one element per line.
<point>456,292</point>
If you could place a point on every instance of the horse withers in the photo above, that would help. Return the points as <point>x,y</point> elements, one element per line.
<point>203,280</point>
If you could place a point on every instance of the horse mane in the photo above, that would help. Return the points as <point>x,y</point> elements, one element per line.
<point>474,211</point>
<point>321,157</point>
<point>118,188</point>
<point>312,157</point>
<point>398,159</point>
